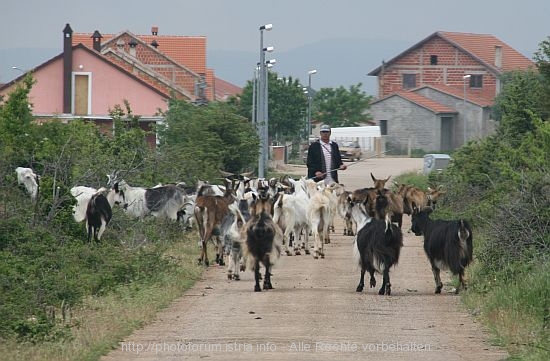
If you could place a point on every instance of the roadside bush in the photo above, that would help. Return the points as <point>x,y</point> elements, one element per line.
<point>503,186</point>
<point>39,273</point>
<point>412,178</point>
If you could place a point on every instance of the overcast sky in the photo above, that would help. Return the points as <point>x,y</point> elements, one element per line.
<point>233,24</point>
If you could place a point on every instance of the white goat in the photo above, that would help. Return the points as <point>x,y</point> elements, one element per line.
<point>162,202</point>
<point>31,181</point>
<point>82,194</point>
<point>320,215</point>
<point>290,212</point>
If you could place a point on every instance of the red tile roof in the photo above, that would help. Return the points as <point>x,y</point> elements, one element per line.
<point>185,50</point>
<point>482,46</point>
<point>420,100</point>
<point>458,92</point>
<point>224,89</point>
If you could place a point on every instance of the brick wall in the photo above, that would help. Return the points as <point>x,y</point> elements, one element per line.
<point>452,65</point>
<point>168,69</point>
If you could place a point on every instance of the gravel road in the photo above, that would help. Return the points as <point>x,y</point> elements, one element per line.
<point>314,312</point>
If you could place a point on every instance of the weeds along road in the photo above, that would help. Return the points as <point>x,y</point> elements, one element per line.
<point>314,312</point>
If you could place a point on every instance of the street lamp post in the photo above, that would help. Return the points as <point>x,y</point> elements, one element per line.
<point>262,104</point>
<point>268,64</point>
<point>309,100</point>
<point>254,96</point>
<point>465,79</point>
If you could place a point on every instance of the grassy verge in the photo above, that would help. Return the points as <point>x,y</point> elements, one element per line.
<point>515,310</point>
<point>100,322</point>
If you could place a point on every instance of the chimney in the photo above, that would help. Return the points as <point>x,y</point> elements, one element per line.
<point>67,67</point>
<point>498,56</point>
<point>154,30</point>
<point>97,41</point>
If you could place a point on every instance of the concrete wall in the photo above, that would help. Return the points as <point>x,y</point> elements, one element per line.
<point>409,125</point>
<point>478,119</point>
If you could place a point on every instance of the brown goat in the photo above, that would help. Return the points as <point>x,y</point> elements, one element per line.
<point>434,195</point>
<point>394,208</point>
<point>209,212</point>
<point>366,196</point>
<point>412,197</point>
<point>379,184</point>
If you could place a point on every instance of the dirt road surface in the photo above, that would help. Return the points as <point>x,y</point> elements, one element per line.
<point>314,312</point>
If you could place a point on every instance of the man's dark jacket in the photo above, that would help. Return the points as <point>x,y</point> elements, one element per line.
<point>316,160</point>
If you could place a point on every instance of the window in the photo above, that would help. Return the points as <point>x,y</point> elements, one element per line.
<point>384,127</point>
<point>409,81</point>
<point>476,81</point>
<point>433,59</point>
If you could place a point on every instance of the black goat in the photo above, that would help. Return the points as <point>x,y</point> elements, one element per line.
<point>448,244</point>
<point>263,239</point>
<point>377,245</point>
<point>98,216</point>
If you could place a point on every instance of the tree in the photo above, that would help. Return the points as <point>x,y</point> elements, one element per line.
<point>519,103</point>
<point>340,107</point>
<point>197,141</point>
<point>542,59</point>
<point>287,106</point>
<point>17,137</point>
<point>128,147</point>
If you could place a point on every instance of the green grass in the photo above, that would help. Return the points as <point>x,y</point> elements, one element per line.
<point>516,309</point>
<point>100,322</point>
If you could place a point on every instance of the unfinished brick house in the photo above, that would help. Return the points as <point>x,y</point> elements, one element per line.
<point>438,94</point>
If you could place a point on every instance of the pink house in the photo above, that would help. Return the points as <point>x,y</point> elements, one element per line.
<point>87,82</point>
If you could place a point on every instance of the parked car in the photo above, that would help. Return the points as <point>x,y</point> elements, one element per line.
<point>350,150</point>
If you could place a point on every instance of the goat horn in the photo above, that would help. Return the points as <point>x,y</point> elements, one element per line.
<point>225,174</point>
<point>247,174</point>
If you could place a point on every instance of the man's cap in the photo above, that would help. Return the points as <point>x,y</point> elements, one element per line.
<point>325,128</point>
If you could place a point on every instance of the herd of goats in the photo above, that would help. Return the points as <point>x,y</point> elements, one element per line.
<point>252,221</point>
